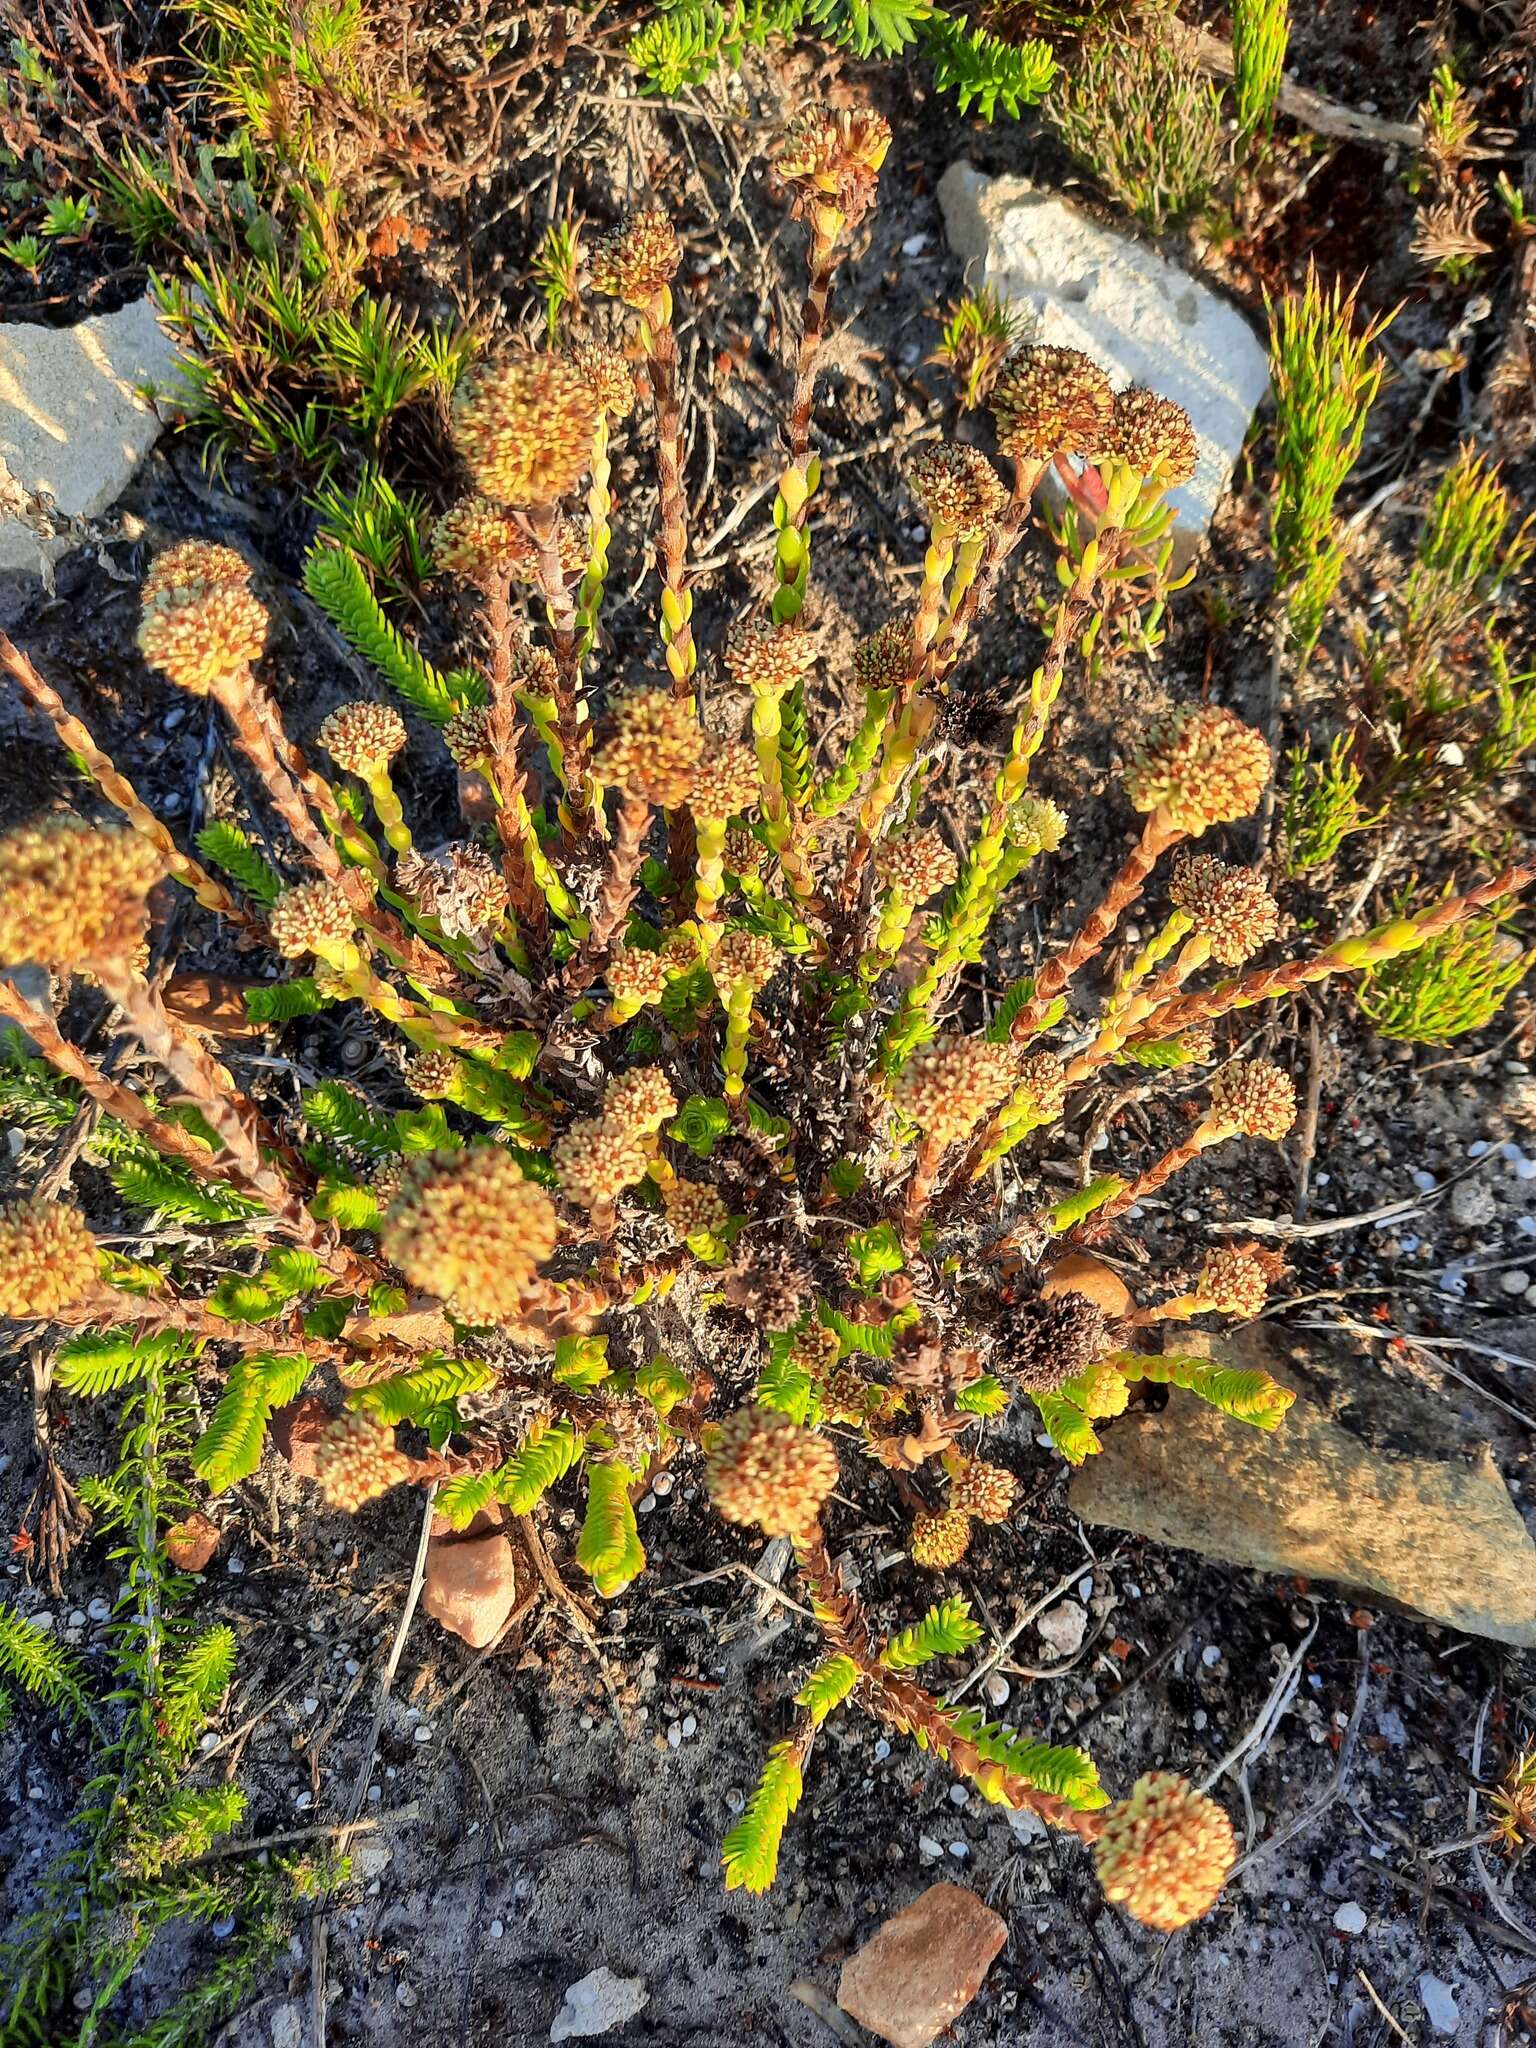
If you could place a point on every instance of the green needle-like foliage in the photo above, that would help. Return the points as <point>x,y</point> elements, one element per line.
<point>944,1631</point>
<point>1261,30</point>
<point>1456,984</point>
<point>1325,371</point>
<point>751,1849</point>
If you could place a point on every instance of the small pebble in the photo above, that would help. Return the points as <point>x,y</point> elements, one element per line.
<point>404,1995</point>
<point>422,1734</point>
<point>1210,1655</point>
<point>100,1610</point>
<point>1515,1282</point>
<point>914,245</point>
<point>959,1850</point>
<point>1423,1181</point>
<point>77,1619</point>
<point>958,1795</point>
<point>674,1737</point>
<point>690,1725</point>
<point>736,1799</point>
<point>236,1566</point>
<point>929,1849</point>
<point>498,1929</point>
<point>1349,1918</point>
<point>1439,2003</point>
<point>997,1689</point>
<point>664,1485</point>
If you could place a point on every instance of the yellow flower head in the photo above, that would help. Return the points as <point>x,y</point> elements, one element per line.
<point>467,1227</point>
<point>959,488</point>
<point>523,425</point>
<point>1152,435</point>
<point>72,894</point>
<point>726,780</point>
<point>362,738</point>
<point>1230,906</point>
<point>1201,766</point>
<point>1254,1097</point>
<point>48,1259</point>
<point>763,1468</point>
<point>311,917</point>
<point>1052,401</point>
<point>638,262</point>
<point>947,1088</point>
<point>1164,1853</point>
<point>653,748</point>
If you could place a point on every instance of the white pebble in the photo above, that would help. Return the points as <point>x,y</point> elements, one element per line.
<point>959,1850</point>
<point>77,1619</point>
<point>422,1734</point>
<point>929,1849</point>
<point>310,1704</point>
<point>882,1750</point>
<point>736,1799</point>
<point>664,1485</point>
<point>498,1929</point>
<point>100,1610</point>
<point>674,1737</point>
<point>1515,1282</point>
<point>914,245</point>
<point>690,1725</point>
<point>1439,2003</point>
<point>646,1505</point>
<point>404,1995</point>
<point>958,1795</point>
<point>1423,1181</point>
<point>1210,1655</point>
<point>1349,1918</point>
<point>236,1566</point>
<point>997,1689</point>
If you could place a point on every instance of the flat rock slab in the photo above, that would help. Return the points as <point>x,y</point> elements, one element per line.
<point>1144,319</point>
<point>1368,1481</point>
<point>597,2004</point>
<point>919,1971</point>
<point>73,427</point>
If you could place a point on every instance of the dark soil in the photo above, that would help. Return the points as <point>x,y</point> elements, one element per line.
<point>543,1809</point>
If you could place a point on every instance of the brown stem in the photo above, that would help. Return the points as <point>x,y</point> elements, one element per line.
<point>925,1171</point>
<point>672,536</point>
<point>904,1705</point>
<point>232,1117</point>
<point>1346,956</point>
<point>620,886</point>
<point>1157,836</point>
<point>823,260</point>
<point>117,1101</point>
<point>575,734</point>
<point>523,891</point>
<point>118,790</point>
<point>1148,1183</point>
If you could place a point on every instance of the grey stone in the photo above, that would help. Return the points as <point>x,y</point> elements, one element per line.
<point>73,425</point>
<point>1145,319</point>
<point>1369,1482</point>
<point>1439,2003</point>
<point>597,2004</point>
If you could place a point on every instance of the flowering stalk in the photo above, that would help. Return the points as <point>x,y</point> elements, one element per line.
<point>489,744</point>
<point>1387,941</point>
<point>844,780</point>
<point>589,597</point>
<point>118,790</point>
<point>572,730</point>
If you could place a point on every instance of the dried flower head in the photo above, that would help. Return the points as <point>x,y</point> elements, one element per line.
<point>638,261</point>
<point>1165,1852</point>
<point>431,1074</point>
<point>72,894</point>
<point>767,658</point>
<point>460,885</point>
<point>523,425</point>
<point>204,636</point>
<point>1201,766</point>
<point>48,1258</point>
<point>193,565</point>
<point>1230,906</point>
<point>1255,1097</point>
<point>467,735</point>
<point>1049,1340</point>
<point>597,1158</point>
<point>726,780</point>
<point>608,375</point>
<point>916,865</point>
<point>634,974</point>
<point>770,1291</point>
<point>694,1208</point>
<point>640,1101</point>
<point>762,1468</point>
<point>1235,1280</point>
<point>1052,401</point>
<point>744,956</point>
<point>653,747</point>
<point>884,660</point>
<point>386,1181</point>
<point>467,1227</point>
<point>362,738</point>
<point>939,1541</point>
<point>947,1088</point>
<point>311,917</point>
<point>1151,435</point>
<point>984,1491</point>
<point>960,489</point>
<point>832,155</point>
<point>356,1460</point>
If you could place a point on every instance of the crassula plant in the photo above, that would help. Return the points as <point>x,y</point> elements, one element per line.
<point>686,1014</point>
